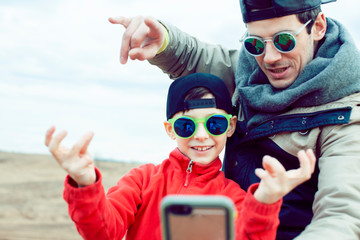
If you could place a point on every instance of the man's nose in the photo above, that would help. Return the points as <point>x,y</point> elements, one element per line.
<point>271,54</point>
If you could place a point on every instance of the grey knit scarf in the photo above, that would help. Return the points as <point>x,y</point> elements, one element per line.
<point>333,74</point>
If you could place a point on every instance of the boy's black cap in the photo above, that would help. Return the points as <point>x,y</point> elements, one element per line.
<point>277,8</point>
<point>178,89</point>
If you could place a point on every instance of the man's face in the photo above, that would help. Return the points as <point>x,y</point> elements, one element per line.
<point>282,69</point>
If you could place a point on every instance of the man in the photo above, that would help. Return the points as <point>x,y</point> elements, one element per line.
<point>297,84</point>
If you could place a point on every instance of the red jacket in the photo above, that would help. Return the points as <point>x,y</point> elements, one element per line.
<point>132,206</point>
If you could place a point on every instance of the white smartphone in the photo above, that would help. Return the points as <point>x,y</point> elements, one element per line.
<point>197,217</point>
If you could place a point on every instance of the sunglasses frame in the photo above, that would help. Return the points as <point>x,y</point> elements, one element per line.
<point>196,121</point>
<point>271,39</point>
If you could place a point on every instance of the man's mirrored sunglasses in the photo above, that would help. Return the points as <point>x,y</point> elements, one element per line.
<point>284,42</point>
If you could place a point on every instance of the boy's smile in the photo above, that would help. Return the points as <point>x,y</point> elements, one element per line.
<point>201,148</point>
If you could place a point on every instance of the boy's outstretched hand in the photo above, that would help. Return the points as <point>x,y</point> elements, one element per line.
<point>77,160</point>
<point>276,182</point>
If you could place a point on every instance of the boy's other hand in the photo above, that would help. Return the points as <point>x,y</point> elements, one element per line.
<point>276,182</point>
<point>76,160</point>
<point>142,38</point>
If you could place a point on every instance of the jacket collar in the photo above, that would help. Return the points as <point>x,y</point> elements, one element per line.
<point>181,162</point>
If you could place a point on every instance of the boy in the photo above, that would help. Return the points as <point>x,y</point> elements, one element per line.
<point>199,118</point>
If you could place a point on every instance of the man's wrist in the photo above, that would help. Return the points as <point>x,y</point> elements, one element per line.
<point>165,40</point>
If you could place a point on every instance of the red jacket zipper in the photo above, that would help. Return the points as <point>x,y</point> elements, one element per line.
<point>188,172</point>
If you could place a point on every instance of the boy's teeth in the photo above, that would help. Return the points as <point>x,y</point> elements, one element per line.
<point>202,148</point>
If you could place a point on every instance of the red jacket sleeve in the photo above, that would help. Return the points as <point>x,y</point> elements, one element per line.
<point>98,216</point>
<point>257,220</point>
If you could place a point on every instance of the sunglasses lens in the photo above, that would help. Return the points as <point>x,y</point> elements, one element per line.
<point>285,42</point>
<point>184,127</point>
<point>217,124</point>
<point>254,45</point>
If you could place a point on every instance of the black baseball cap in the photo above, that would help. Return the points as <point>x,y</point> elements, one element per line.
<point>277,8</point>
<point>179,88</point>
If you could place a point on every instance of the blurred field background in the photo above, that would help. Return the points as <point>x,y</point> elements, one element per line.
<point>31,203</point>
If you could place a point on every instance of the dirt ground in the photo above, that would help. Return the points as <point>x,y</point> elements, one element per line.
<point>31,203</point>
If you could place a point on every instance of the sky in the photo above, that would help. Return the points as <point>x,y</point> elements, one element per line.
<point>59,65</point>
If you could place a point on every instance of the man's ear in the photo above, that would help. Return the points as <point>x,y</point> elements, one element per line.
<point>169,130</point>
<point>232,126</point>
<point>319,27</point>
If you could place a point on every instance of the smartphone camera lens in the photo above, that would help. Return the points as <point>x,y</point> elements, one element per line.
<point>181,209</point>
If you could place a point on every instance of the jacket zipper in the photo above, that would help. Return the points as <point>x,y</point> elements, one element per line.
<point>188,172</point>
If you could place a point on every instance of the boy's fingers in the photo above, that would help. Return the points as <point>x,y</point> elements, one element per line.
<point>80,147</point>
<point>261,173</point>
<point>88,139</point>
<point>48,135</point>
<point>312,158</point>
<point>272,165</point>
<point>303,159</point>
<point>305,164</point>
<point>82,164</point>
<point>55,142</point>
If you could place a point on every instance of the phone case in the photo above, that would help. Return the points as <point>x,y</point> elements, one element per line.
<point>197,217</point>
